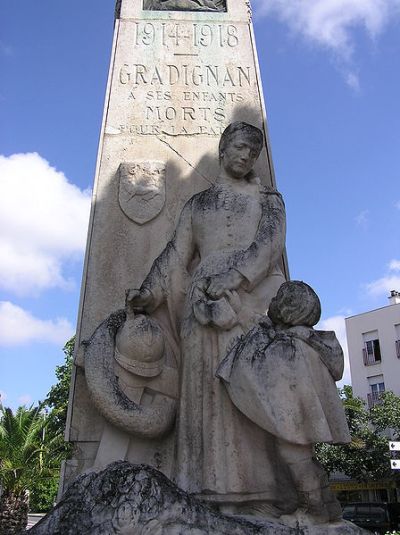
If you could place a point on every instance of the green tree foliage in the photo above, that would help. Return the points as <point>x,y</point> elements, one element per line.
<point>32,448</point>
<point>367,457</point>
<point>44,494</point>
<point>26,459</point>
<point>387,414</point>
<point>56,402</point>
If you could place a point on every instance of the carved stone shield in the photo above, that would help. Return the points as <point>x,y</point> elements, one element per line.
<point>142,189</point>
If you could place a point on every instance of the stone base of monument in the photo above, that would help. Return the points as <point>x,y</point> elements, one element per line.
<point>128,499</point>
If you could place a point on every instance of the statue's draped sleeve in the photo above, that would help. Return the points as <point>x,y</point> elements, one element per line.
<point>173,261</point>
<point>263,255</point>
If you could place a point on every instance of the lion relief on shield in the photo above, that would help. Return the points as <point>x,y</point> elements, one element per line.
<point>142,189</point>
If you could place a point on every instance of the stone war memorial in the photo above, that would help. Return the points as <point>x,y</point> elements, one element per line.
<point>200,384</point>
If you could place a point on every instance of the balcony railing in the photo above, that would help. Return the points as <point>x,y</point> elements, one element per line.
<point>374,398</point>
<point>370,359</point>
<point>398,348</point>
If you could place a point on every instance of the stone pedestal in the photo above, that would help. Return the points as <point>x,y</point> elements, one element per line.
<point>138,500</point>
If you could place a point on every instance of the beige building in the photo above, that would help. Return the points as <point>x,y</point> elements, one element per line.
<point>373,339</point>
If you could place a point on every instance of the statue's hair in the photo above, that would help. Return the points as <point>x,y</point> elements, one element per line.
<point>296,303</point>
<point>248,130</point>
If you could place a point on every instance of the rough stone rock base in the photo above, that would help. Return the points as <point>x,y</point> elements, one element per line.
<point>127,499</point>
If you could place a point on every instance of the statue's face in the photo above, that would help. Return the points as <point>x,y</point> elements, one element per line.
<point>239,155</point>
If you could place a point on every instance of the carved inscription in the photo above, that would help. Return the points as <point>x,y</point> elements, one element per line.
<point>177,34</point>
<point>196,85</point>
<point>188,75</point>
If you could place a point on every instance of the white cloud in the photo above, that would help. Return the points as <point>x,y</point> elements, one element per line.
<point>43,222</point>
<point>331,23</point>
<point>362,219</point>
<point>19,327</point>
<point>384,285</point>
<point>353,81</point>
<point>337,324</point>
<point>26,399</point>
<point>394,265</point>
<point>3,396</point>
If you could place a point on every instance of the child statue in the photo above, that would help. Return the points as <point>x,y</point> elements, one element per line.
<point>282,375</point>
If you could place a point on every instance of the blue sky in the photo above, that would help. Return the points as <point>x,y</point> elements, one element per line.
<point>331,78</point>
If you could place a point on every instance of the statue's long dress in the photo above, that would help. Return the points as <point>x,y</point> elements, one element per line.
<point>220,454</point>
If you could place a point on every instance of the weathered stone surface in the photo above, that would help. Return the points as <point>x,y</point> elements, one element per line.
<point>246,445</point>
<point>281,375</point>
<point>142,190</point>
<point>185,5</point>
<point>177,79</point>
<point>195,251</point>
<point>107,392</point>
<point>138,500</point>
<point>219,272</point>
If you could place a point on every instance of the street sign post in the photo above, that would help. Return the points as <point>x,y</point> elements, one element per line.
<point>395,464</point>
<point>394,446</point>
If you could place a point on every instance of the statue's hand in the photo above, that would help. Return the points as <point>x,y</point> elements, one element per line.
<point>138,300</point>
<point>220,284</point>
<point>234,300</point>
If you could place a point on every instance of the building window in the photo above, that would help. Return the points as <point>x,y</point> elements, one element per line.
<point>372,352</point>
<point>397,343</point>
<point>374,397</point>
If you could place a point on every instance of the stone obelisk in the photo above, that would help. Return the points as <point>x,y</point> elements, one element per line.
<point>181,71</point>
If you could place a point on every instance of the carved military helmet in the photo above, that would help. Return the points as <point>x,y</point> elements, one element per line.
<point>139,346</point>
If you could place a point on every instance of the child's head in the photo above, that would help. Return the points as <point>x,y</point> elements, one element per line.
<point>296,303</point>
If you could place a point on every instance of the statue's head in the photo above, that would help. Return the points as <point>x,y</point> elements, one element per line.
<point>296,303</point>
<point>239,148</point>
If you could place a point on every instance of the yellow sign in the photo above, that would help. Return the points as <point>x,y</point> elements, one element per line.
<point>369,485</point>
